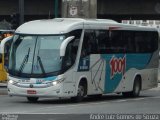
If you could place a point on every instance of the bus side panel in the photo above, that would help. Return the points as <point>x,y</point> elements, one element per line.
<point>152,72</point>
<point>121,70</point>
<point>92,68</point>
<point>69,84</point>
<point>97,69</point>
<point>149,78</point>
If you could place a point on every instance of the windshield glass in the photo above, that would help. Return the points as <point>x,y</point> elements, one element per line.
<point>35,56</point>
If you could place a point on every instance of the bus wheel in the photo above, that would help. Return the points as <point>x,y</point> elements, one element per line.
<point>80,94</point>
<point>136,89</point>
<point>32,99</point>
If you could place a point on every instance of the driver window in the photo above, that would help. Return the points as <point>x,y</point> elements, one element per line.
<point>72,49</point>
<point>71,53</point>
<point>6,53</point>
<point>89,45</point>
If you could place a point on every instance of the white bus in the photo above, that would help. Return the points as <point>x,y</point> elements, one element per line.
<point>74,58</point>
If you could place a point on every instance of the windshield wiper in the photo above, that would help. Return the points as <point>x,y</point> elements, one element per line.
<point>41,65</point>
<point>25,60</point>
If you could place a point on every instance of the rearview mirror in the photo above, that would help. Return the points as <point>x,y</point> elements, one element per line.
<point>64,45</point>
<point>10,38</point>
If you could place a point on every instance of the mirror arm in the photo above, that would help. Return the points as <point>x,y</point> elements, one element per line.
<point>64,45</point>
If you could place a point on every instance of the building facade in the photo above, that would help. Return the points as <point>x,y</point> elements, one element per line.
<point>110,9</point>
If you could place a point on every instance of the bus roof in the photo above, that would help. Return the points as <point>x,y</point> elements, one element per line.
<point>65,25</point>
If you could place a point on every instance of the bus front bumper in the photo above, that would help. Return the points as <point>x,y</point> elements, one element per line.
<point>52,91</point>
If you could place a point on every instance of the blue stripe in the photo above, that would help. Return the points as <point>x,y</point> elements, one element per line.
<point>40,81</point>
<point>50,78</point>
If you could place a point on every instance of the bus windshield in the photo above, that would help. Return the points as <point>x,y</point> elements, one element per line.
<point>35,55</point>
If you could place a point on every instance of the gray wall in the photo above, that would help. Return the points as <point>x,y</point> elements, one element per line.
<point>113,9</point>
<point>8,7</point>
<point>128,7</point>
<point>38,7</point>
<point>31,7</point>
<point>34,7</point>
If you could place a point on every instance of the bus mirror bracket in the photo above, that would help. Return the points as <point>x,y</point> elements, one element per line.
<point>64,45</point>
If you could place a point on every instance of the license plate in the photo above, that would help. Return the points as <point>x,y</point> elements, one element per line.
<point>31,92</point>
<point>25,81</point>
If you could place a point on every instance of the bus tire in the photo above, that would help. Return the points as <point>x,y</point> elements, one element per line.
<point>32,99</point>
<point>136,88</point>
<point>82,90</point>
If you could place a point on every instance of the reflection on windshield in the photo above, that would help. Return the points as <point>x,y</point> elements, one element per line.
<point>25,60</point>
<point>35,55</point>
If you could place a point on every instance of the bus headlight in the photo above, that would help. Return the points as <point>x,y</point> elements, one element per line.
<point>12,82</point>
<point>54,83</point>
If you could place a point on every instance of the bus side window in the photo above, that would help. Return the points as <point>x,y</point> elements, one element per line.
<point>140,45</point>
<point>103,41</point>
<point>71,50</point>
<point>1,37</point>
<point>68,56</point>
<point>85,46</point>
<point>89,45</point>
<point>6,53</point>
<point>74,49</point>
<point>75,43</point>
<point>71,53</point>
<point>128,37</point>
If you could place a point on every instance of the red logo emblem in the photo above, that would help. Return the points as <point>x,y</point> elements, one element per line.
<point>117,65</point>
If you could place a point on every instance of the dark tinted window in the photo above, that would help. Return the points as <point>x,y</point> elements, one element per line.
<point>146,42</point>
<point>89,45</point>
<point>71,50</point>
<point>119,41</point>
<point>130,42</point>
<point>104,43</point>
